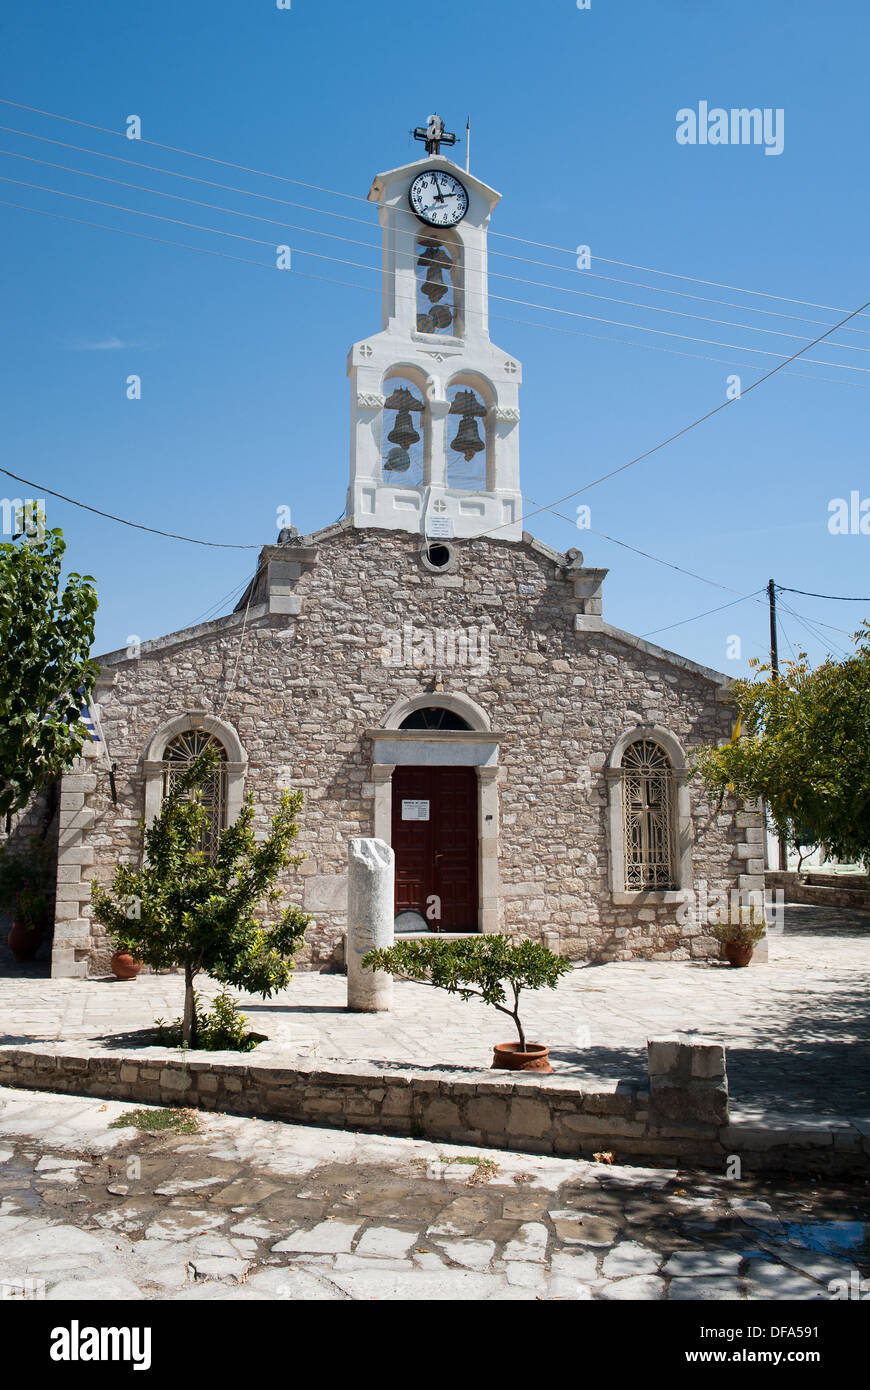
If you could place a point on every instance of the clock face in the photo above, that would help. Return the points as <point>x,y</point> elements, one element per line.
<point>438,198</point>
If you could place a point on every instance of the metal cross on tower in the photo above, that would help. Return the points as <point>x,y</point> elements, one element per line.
<point>434,135</point>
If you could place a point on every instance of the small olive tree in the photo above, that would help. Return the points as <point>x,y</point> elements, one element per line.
<point>187,910</point>
<point>483,967</point>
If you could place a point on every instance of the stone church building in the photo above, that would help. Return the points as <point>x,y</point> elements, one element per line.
<point>427,672</point>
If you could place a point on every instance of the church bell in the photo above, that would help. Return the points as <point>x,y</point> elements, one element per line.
<point>436,261</point>
<point>403,434</point>
<point>468,441</point>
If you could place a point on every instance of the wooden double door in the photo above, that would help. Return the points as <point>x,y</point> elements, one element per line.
<point>435,840</point>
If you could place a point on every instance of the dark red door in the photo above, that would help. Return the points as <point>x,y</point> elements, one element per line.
<point>435,842</point>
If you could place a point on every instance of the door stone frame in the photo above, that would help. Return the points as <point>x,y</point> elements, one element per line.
<point>393,747</point>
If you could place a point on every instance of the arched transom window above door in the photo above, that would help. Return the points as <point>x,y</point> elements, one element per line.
<point>434,717</point>
<point>180,753</point>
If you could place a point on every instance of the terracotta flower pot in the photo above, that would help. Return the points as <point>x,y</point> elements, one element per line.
<point>535,1057</point>
<point>23,941</point>
<point>738,953</point>
<point>124,966</point>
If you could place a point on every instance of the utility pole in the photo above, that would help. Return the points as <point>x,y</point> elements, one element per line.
<point>774,646</point>
<point>774,669</point>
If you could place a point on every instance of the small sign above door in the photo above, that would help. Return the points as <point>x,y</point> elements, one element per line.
<point>415,810</point>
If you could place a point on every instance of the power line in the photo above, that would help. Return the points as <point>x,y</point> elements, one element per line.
<point>194,178</point>
<point>370,289</point>
<point>367,222</point>
<point>693,279</point>
<point>170,535</point>
<point>359,265</point>
<point>550,508</point>
<point>332,192</point>
<point>807,593</point>
<point>195,202</point>
<point>355,241</point>
<point>702,418</point>
<point>672,352</point>
<point>661,289</point>
<point>191,154</point>
<point>698,616</point>
<point>809,627</point>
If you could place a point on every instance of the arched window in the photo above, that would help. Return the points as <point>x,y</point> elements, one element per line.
<point>467,437</point>
<point>434,717</point>
<point>438,308</point>
<point>404,437</point>
<point>178,756</point>
<point>648,817</point>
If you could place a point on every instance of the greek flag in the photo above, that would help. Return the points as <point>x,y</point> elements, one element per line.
<point>91,723</point>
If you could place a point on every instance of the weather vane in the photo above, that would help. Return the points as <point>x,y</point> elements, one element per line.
<point>434,135</point>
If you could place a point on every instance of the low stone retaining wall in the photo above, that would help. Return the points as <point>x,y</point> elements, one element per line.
<point>821,890</point>
<point>683,1117</point>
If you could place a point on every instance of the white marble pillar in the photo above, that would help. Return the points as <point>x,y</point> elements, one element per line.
<point>370,915</point>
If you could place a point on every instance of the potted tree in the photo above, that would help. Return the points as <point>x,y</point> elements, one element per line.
<point>188,910</point>
<point>490,968</point>
<point>739,935</point>
<point>26,894</point>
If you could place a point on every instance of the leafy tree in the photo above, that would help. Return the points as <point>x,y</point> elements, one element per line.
<point>492,963</point>
<point>46,674</point>
<point>184,909</point>
<point>804,751</point>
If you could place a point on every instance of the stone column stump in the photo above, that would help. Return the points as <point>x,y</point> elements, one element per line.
<point>688,1083</point>
<point>370,916</point>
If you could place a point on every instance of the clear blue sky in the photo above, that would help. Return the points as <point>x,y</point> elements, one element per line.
<point>244,396</point>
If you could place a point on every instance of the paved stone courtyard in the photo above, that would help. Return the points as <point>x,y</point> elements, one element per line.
<point>251,1209</point>
<point>796,1030</point>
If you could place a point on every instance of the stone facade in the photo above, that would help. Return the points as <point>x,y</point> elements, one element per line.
<point>305,679</point>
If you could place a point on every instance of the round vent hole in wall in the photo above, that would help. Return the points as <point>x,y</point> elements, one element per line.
<point>437,556</point>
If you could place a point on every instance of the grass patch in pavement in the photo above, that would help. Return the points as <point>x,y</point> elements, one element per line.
<point>166,1119</point>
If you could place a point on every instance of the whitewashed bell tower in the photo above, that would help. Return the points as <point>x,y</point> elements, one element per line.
<point>434,403</point>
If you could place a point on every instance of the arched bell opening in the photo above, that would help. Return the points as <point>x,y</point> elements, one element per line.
<point>470,438</point>
<point>438,258</point>
<point>405,443</point>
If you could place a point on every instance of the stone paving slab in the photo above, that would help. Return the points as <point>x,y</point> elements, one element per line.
<point>247,1209</point>
<point>796,1030</point>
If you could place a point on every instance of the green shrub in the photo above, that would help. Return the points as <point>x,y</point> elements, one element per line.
<point>221,1029</point>
<point>740,930</point>
<point>491,963</point>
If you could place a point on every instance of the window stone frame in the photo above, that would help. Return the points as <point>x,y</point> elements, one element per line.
<point>682,821</point>
<point>194,720</point>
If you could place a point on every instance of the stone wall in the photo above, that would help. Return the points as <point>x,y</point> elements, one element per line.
<point>530,1114</point>
<point>305,671</point>
<point>829,890</point>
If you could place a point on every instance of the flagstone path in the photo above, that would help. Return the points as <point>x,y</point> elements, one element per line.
<point>252,1209</point>
<point>796,1031</point>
